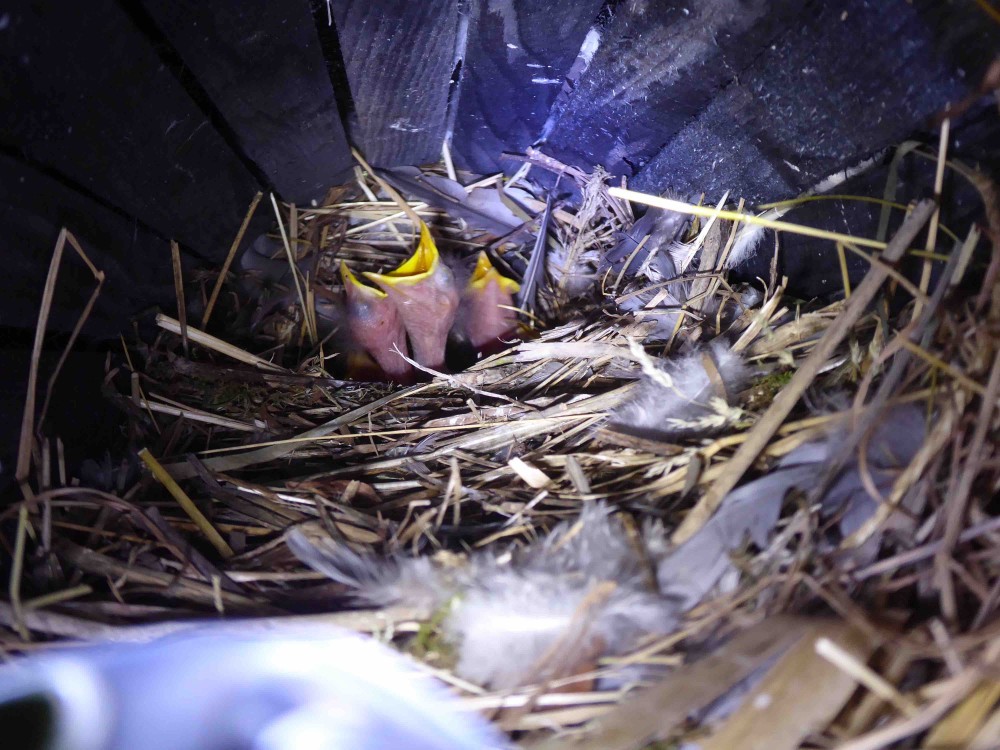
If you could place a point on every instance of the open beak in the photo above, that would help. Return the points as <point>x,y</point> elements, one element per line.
<point>488,299</point>
<point>376,326</point>
<point>423,290</point>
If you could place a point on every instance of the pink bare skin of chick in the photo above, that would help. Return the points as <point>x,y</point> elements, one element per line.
<point>423,290</point>
<point>487,318</point>
<point>376,326</point>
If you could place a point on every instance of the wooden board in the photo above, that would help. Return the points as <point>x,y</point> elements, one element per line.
<point>399,57</point>
<point>813,266</point>
<point>87,97</point>
<point>658,65</point>
<point>851,79</point>
<point>33,208</point>
<point>763,98</point>
<point>261,65</point>
<point>517,56</point>
<point>798,697</point>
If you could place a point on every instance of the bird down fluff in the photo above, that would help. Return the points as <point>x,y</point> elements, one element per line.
<point>682,394</point>
<point>542,612</point>
<point>589,589</point>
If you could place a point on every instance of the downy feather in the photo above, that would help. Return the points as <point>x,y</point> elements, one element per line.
<point>682,395</point>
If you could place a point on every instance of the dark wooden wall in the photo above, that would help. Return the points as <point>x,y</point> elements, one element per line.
<point>841,83</point>
<point>136,123</point>
<point>517,57</point>
<point>399,59</point>
<point>262,69</point>
<point>139,121</point>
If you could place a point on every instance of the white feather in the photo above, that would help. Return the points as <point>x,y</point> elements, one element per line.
<point>529,626</point>
<point>582,592</point>
<point>417,582</point>
<point>680,395</point>
<point>576,276</point>
<point>588,589</point>
<point>745,244</point>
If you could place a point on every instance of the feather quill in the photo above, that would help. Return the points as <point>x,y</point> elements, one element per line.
<point>535,271</point>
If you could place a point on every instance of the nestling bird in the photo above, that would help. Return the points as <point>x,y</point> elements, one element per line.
<point>420,302</point>
<point>425,306</point>
<point>423,290</point>
<point>376,326</point>
<point>486,316</point>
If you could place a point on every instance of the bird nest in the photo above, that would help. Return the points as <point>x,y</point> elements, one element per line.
<point>800,494</point>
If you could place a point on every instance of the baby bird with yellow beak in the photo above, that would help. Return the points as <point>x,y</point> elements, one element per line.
<point>376,326</point>
<point>423,291</point>
<point>419,301</point>
<point>487,318</point>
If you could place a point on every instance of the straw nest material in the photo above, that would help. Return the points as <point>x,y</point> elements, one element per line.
<point>823,631</point>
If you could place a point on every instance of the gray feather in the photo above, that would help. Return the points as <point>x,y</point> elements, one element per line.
<point>691,400</point>
<point>751,511</point>
<point>377,581</point>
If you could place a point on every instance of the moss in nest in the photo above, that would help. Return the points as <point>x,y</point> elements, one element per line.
<point>239,397</point>
<point>762,392</point>
<point>429,644</point>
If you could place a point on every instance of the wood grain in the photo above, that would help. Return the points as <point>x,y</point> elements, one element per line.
<point>518,54</point>
<point>399,57</point>
<point>842,83</point>
<point>87,97</point>
<point>658,66</point>
<point>261,64</point>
